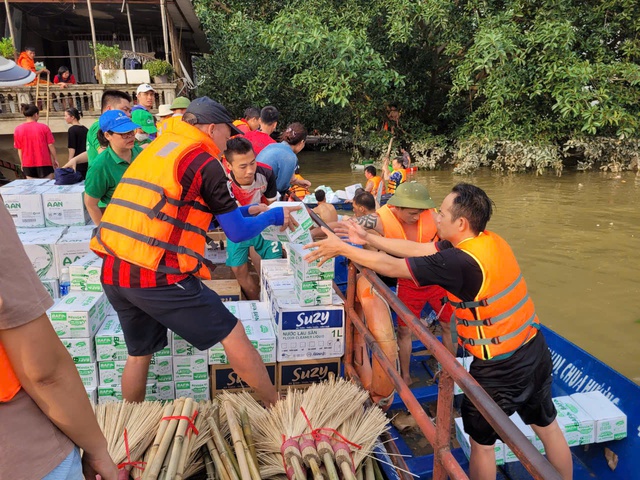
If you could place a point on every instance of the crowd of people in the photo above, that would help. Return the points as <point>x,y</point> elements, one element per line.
<point>153,189</point>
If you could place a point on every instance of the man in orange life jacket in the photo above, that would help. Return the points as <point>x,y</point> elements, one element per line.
<point>373,181</point>
<point>250,121</point>
<point>410,214</point>
<point>152,238</point>
<point>495,317</point>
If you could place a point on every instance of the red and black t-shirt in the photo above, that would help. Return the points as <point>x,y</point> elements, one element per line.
<point>258,140</point>
<point>200,175</point>
<point>263,187</point>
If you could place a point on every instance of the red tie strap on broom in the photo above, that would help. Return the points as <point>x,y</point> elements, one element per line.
<point>137,464</point>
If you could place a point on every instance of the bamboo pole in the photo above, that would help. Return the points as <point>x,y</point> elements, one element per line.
<point>325,450</point>
<point>168,410</point>
<point>48,95</point>
<point>186,448</point>
<point>236,435</point>
<point>248,435</point>
<point>376,470</point>
<point>133,44</point>
<point>220,444</point>
<point>208,464</point>
<point>153,468</point>
<point>368,469</point>
<point>221,471</point>
<point>93,40</point>
<point>178,441</point>
<point>13,36</point>
<point>310,455</point>
<point>163,14</point>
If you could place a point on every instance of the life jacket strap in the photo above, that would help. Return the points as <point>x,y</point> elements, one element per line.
<point>503,338</point>
<point>160,191</point>
<point>493,320</point>
<point>486,301</point>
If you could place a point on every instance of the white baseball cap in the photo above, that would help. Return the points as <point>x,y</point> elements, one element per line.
<point>144,87</point>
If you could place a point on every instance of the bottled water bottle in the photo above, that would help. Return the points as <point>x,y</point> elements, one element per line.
<point>65,282</point>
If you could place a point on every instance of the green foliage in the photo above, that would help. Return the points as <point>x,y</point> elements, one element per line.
<point>6,48</point>
<point>158,68</point>
<point>109,57</point>
<point>506,82</point>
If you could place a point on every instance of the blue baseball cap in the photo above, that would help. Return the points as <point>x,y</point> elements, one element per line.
<point>116,121</point>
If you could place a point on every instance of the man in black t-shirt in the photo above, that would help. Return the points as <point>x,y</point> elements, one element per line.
<point>513,364</point>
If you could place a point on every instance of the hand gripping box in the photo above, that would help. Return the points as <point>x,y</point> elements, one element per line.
<point>85,273</point>
<point>24,203</point>
<point>224,378</point>
<point>307,333</point>
<point>64,205</point>
<point>610,421</point>
<point>576,424</point>
<point>305,271</point>
<point>79,314</point>
<point>261,335</point>
<point>273,232</point>
<point>72,246</point>
<point>39,245</point>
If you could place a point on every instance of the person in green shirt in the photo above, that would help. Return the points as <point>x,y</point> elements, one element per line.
<point>146,133</point>
<point>117,131</point>
<point>111,100</point>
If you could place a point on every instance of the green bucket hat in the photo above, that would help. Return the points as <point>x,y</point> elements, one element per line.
<point>180,102</point>
<point>145,120</point>
<point>412,195</point>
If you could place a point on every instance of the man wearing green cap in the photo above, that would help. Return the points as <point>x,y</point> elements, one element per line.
<point>146,132</point>
<point>410,214</point>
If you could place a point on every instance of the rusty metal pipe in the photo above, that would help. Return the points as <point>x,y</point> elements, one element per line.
<point>531,459</point>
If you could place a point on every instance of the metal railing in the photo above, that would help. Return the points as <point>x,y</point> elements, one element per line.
<point>438,434</point>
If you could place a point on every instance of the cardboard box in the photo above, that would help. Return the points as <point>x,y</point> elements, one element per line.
<point>261,334</point>
<point>52,287</point>
<point>187,368</point>
<point>305,271</point>
<point>26,182</point>
<point>166,390</point>
<point>227,290</point>
<point>161,367</point>
<point>274,234</point>
<point>88,374</point>
<point>575,419</point>
<point>24,203</point>
<point>196,389</point>
<point>79,314</point>
<point>610,421</point>
<point>39,244</point>
<point>313,292</point>
<point>303,374</point>
<point>306,333</point>
<point>64,205</point>
<point>217,236</point>
<point>85,273</point>
<point>180,347</point>
<point>110,344</point>
<point>463,440</point>
<point>92,393</point>
<point>271,268</point>
<point>215,255</point>
<point>223,378</point>
<point>509,455</point>
<point>113,393</point>
<point>82,350</point>
<point>72,246</point>
<point>466,363</point>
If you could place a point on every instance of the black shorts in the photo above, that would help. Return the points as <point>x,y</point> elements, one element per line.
<point>188,308</point>
<point>520,383</point>
<point>37,172</point>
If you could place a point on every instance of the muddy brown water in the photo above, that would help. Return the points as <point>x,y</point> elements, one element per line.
<point>576,237</point>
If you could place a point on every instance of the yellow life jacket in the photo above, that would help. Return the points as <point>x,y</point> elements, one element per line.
<point>9,383</point>
<point>501,318</point>
<point>141,223</point>
<point>427,230</point>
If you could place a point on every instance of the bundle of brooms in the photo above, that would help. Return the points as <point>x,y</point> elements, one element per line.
<point>325,430</point>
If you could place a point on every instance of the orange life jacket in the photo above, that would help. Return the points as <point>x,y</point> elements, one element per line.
<point>391,187</point>
<point>242,125</point>
<point>9,383</point>
<point>502,317</point>
<point>427,230</point>
<point>299,191</point>
<point>168,123</point>
<point>376,183</point>
<point>139,223</point>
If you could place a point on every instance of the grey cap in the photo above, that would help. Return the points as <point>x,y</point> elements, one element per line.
<point>209,111</point>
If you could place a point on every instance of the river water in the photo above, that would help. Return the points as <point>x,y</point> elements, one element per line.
<point>576,237</point>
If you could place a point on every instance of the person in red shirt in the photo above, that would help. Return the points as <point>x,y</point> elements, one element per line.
<point>64,78</point>
<point>35,144</point>
<point>260,138</point>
